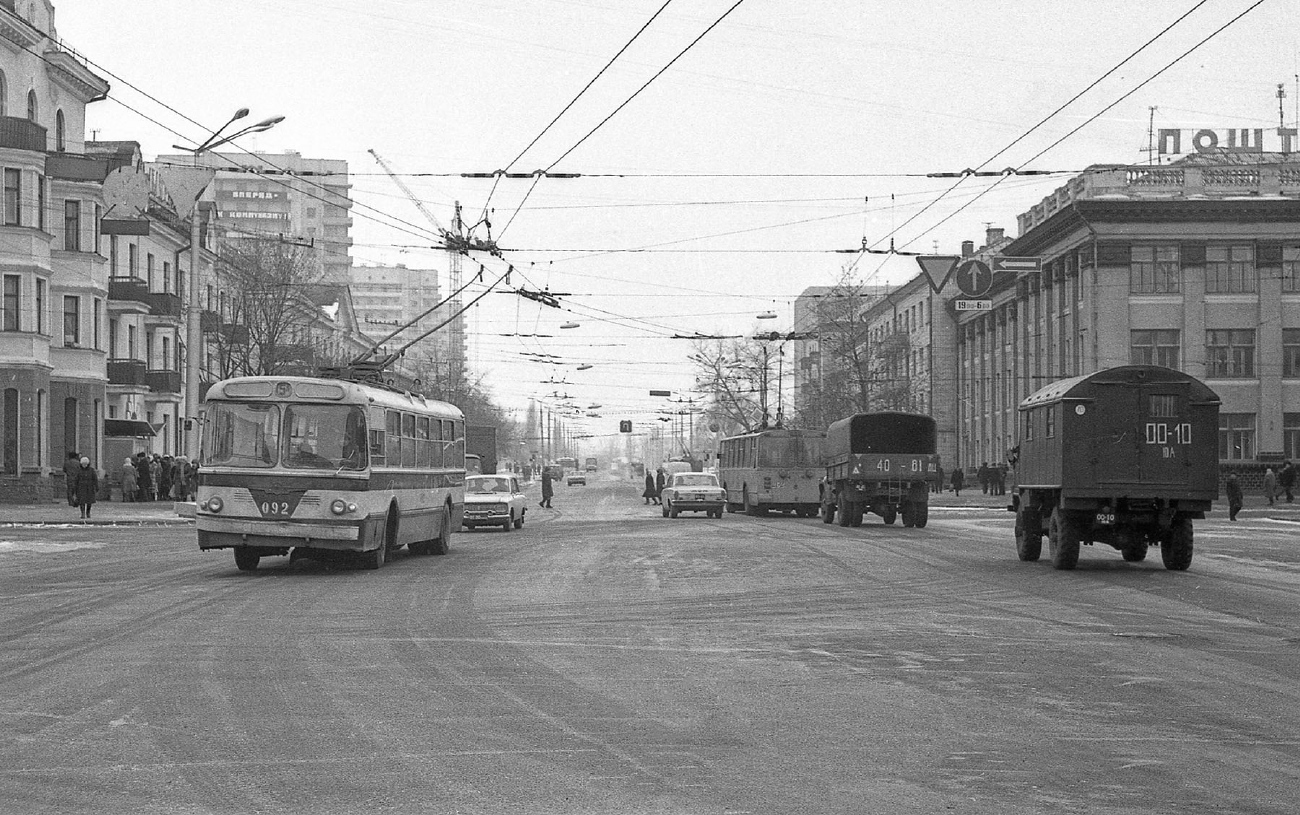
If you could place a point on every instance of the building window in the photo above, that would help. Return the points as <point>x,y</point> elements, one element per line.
<point>40,427</point>
<point>132,261</point>
<point>132,343</point>
<point>40,306</point>
<point>1291,353</point>
<point>40,202</point>
<point>13,285</point>
<point>60,133</point>
<point>1154,347</point>
<point>1051,421</point>
<point>112,255</point>
<point>1229,269</point>
<point>98,226</point>
<point>1291,436</point>
<point>1291,268</point>
<point>32,110</point>
<point>13,197</point>
<point>1236,436</point>
<point>1154,270</point>
<point>72,321</point>
<point>148,269</point>
<point>70,425</point>
<point>99,323</point>
<point>72,225</point>
<point>9,452</point>
<point>1230,353</point>
<point>167,276</point>
<point>4,94</point>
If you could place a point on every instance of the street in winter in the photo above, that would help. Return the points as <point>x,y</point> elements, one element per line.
<point>604,658</point>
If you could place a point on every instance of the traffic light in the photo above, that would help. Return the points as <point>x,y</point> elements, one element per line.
<point>625,426</point>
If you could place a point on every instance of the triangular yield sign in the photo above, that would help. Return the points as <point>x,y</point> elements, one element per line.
<point>937,267</point>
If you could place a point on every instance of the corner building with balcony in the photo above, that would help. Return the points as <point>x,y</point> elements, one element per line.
<point>55,282</point>
<point>1193,265</point>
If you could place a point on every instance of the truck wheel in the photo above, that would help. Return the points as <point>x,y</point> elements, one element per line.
<point>1176,551</point>
<point>1063,536</point>
<point>844,512</point>
<point>909,520</point>
<point>828,513</point>
<point>890,514</point>
<point>921,515</point>
<point>1029,537</point>
<point>856,514</point>
<point>1132,545</point>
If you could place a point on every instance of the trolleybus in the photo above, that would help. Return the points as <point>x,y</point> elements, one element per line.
<point>328,466</point>
<point>775,470</point>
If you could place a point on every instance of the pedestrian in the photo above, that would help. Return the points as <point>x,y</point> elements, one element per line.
<point>1002,479</point>
<point>191,479</point>
<point>958,481</point>
<point>661,480</point>
<point>983,475</point>
<point>86,486</point>
<point>1233,489</point>
<point>130,486</point>
<point>165,478</point>
<point>145,491</point>
<point>70,466</point>
<point>649,492</point>
<point>938,485</point>
<point>1270,485</point>
<point>547,489</point>
<point>1286,480</point>
<point>155,476</point>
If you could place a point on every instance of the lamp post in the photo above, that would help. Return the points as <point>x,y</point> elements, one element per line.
<point>193,328</point>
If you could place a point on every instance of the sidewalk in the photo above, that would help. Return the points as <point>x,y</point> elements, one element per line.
<point>104,513</point>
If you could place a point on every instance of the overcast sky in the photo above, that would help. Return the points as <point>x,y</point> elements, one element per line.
<point>789,130</point>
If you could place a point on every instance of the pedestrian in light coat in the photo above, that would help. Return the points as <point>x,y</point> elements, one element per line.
<point>130,486</point>
<point>86,486</point>
<point>1232,487</point>
<point>1270,485</point>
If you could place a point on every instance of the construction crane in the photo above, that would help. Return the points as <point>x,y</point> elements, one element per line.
<point>457,243</point>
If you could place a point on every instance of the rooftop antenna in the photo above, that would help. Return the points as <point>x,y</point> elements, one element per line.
<point>1151,135</point>
<point>1281,117</point>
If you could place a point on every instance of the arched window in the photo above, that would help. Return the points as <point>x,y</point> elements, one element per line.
<point>31,106</point>
<point>60,133</point>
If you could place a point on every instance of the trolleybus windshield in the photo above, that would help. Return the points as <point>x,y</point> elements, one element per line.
<point>299,436</point>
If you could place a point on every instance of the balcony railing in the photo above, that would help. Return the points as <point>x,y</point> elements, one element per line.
<point>164,304</point>
<point>20,134</point>
<point>163,381</point>
<point>128,288</point>
<point>130,372</point>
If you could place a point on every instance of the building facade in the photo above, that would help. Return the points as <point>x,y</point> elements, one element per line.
<point>55,281</point>
<point>1194,265</point>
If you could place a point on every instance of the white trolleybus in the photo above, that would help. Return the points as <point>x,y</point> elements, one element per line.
<point>328,467</point>
<point>777,470</point>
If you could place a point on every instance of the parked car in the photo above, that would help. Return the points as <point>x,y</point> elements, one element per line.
<point>576,478</point>
<point>693,492</point>
<point>494,500</point>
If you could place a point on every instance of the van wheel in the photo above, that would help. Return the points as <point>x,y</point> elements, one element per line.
<point>1063,537</point>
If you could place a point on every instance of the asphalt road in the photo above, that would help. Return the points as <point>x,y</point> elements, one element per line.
<point>604,659</point>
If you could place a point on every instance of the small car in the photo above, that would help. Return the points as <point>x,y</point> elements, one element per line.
<point>693,492</point>
<point>494,500</point>
<point>576,478</point>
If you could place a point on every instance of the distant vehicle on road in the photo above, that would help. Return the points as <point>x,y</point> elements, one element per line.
<point>1125,457</point>
<point>576,479</point>
<point>882,463</point>
<point>494,500</point>
<point>567,464</point>
<point>693,492</point>
<point>776,470</point>
<point>591,464</point>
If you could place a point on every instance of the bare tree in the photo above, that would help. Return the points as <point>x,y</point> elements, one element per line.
<point>734,377</point>
<point>269,314</point>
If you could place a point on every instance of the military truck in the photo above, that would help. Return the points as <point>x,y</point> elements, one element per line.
<point>882,463</point>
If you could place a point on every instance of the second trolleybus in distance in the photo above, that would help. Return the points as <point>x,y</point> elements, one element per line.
<point>328,466</point>
<point>776,470</point>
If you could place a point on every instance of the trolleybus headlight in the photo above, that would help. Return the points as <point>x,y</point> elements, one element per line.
<point>213,504</point>
<point>339,506</point>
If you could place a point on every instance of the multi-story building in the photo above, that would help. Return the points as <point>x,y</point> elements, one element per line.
<point>386,298</point>
<point>55,280</point>
<point>1193,265</point>
<point>269,196</point>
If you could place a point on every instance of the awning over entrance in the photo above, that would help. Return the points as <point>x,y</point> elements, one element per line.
<point>127,429</point>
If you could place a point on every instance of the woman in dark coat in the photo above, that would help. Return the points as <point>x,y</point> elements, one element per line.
<point>86,487</point>
<point>548,491</point>
<point>958,480</point>
<point>661,479</point>
<point>649,492</point>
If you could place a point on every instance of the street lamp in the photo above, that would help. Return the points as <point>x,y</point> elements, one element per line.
<point>193,329</point>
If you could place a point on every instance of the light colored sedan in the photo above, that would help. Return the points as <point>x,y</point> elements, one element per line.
<point>693,492</point>
<point>494,500</point>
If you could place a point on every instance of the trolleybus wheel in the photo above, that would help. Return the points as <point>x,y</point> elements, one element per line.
<point>1063,536</point>
<point>1029,537</point>
<point>751,508</point>
<point>375,558</point>
<point>246,558</point>
<point>1176,550</point>
<point>440,544</point>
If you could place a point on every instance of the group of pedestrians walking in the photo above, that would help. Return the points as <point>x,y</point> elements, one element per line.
<point>144,477</point>
<point>654,485</point>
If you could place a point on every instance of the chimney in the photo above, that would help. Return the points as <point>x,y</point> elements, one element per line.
<point>993,234</point>
<point>967,248</point>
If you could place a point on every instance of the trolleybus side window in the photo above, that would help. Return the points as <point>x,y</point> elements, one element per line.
<point>458,442</point>
<point>1051,421</point>
<point>408,440</point>
<point>377,437</point>
<point>1029,425</point>
<point>393,424</point>
<point>324,437</point>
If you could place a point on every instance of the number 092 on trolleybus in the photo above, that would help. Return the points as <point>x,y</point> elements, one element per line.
<point>328,467</point>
